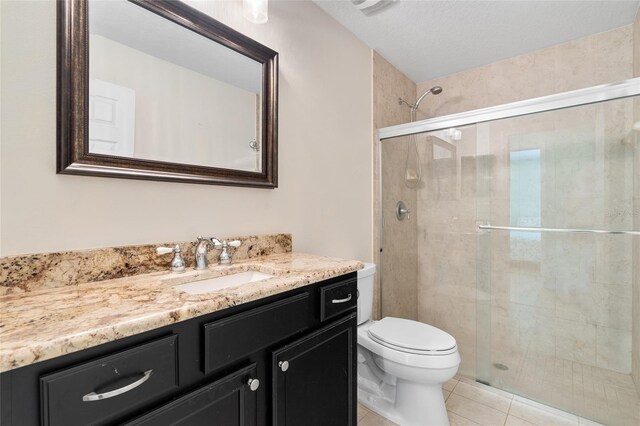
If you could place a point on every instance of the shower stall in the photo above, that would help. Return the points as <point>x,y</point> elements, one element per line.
<point>523,242</point>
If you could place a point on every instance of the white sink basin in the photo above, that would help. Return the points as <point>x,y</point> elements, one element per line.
<point>220,283</point>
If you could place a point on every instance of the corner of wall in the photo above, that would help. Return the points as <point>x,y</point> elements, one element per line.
<point>400,270</point>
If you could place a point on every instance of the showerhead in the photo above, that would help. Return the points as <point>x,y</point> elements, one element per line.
<point>435,90</point>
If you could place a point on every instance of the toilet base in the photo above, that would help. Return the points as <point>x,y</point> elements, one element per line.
<point>416,404</point>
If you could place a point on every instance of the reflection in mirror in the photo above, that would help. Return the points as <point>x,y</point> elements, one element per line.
<point>161,92</point>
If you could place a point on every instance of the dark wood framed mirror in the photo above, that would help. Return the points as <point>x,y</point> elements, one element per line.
<point>155,89</point>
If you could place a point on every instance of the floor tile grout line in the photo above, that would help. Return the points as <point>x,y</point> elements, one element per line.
<point>510,398</point>
<point>471,420</point>
<point>510,404</point>
<point>477,402</point>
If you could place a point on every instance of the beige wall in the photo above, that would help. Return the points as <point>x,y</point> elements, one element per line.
<point>325,155</point>
<point>398,263</point>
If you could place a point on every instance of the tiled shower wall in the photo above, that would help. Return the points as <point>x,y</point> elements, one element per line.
<point>398,261</point>
<point>446,234</point>
<point>598,59</point>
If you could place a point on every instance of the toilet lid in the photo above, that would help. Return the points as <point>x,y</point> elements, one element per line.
<point>411,335</point>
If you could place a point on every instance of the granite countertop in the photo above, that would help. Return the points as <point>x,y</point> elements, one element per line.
<point>48,323</point>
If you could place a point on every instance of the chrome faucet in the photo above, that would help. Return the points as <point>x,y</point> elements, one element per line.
<point>202,248</point>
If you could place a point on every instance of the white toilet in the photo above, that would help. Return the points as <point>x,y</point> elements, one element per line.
<point>402,364</point>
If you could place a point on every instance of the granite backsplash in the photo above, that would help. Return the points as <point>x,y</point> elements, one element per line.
<point>24,273</point>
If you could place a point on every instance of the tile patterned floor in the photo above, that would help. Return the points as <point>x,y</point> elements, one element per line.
<point>588,391</point>
<point>471,403</point>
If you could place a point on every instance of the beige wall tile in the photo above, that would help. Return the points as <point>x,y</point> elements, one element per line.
<point>576,341</point>
<point>614,349</point>
<point>398,272</point>
<point>589,61</point>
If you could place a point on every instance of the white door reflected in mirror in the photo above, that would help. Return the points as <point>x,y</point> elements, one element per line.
<point>112,119</point>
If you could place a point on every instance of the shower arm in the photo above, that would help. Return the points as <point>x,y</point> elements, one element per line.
<point>435,90</point>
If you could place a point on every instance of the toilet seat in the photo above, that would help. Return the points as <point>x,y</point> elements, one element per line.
<point>412,337</point>
<point>402,356</point>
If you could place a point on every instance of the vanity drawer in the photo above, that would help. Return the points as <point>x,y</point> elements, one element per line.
<point>338,298</point>
<point>229,339</point>
<point>99,391</point>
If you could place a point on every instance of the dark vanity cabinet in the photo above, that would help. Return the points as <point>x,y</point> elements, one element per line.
<point>288,359</point>
<point>229,401</point>
<point>319,368</point>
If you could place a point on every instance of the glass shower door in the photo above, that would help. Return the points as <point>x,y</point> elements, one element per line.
<point>554,286</point>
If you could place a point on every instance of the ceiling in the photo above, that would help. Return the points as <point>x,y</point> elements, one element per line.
<point>427,39</point>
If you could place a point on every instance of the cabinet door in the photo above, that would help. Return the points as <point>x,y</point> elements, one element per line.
<point>314,378</point>
<point>229,401</point>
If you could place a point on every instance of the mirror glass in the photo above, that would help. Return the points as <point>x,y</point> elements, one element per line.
<point>161,92</point>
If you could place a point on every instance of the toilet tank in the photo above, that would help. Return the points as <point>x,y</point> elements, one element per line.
<point>365,292</point>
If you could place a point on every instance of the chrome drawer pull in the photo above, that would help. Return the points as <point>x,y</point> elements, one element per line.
<point>98,396</point>
<point>345,300</point>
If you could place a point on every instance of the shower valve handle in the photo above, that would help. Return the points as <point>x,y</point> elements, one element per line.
<point>402,212</point>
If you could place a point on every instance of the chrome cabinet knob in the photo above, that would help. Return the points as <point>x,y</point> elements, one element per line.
<point>254,384</point>
<point>284,365</point>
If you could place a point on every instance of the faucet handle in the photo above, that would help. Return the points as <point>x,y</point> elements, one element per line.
<point>216,243</point>
<point>225,257</point>
<point>177,263</point>
<point>164,250</point>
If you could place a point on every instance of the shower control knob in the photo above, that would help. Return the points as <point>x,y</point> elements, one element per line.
<point>402,212</point>
<point>253,384</point>
<point>284,365</point>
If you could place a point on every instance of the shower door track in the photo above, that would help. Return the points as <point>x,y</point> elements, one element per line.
<point>566,230</point>
<point>604,92</point>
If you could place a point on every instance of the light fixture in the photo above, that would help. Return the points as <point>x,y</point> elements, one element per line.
<point>370,7</point>
<point>255,11</point>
